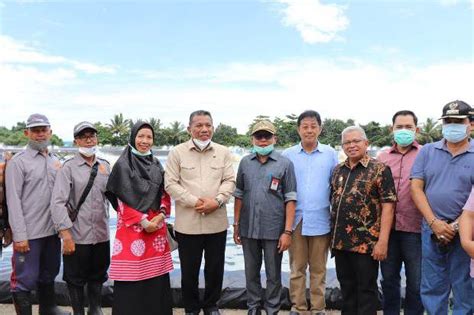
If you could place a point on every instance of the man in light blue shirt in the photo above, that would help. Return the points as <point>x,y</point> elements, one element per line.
<point>313,163</point>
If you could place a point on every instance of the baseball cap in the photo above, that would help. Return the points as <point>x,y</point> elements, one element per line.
<point>264,125</point>
<point>83,125</point>
<point>457,109</point>
<point>37,120</point>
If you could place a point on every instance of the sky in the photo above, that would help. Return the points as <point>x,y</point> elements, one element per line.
<point>81,60</point>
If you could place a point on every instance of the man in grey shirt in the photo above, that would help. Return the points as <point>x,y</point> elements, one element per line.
<point>265,201</point>
<point>86,247</point>
<point>30,176</point>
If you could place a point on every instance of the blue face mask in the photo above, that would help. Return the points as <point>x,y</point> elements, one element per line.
<point>404,137</point>
<point>455,133</point>
<point>136,152</point>
<point>262,150</point>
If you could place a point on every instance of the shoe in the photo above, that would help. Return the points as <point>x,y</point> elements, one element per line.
<point>22,302</point>
<point>76,295</point>
<point>213,311</point>
<point>192,313</point>
<point>94,294</point>
<point>318,313</point>
<point>47,300</point>
<point>255,311</point>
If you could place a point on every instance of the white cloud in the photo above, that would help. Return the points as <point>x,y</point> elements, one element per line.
<point>316,22</point>
<point>15,52</point>
<point>235,93</point>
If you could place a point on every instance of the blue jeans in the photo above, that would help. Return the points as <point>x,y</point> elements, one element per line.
<point>441,271</point>
<point>403,247</point>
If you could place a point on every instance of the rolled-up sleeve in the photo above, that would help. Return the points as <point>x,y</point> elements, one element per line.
<point>239,186</point>
<point>289,188</point>
<point>59,197</point>
<point>14,180</point>
<point>172,182</point>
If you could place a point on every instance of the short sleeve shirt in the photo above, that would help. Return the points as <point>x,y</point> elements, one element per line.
<point>263,213</point>
<point>447,179</point>
<point>356,198</point>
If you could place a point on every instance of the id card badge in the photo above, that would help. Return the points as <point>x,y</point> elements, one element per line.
<point>274,184</point>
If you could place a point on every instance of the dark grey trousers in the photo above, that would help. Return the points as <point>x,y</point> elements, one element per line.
<point>254,251</point>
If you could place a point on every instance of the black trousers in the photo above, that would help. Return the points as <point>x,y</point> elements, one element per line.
<point>357,275</point>
<point>191,248</point>
<point>89,263</point>
<point>146,297</point>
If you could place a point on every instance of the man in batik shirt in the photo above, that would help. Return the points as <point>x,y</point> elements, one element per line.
<point>362,198</point>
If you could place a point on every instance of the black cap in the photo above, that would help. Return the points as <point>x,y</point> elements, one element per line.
<point>83,125</point>
<point>457,109</point>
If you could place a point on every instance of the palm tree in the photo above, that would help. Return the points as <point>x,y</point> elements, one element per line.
<point>118,125</point>
<point>155,123</point>
<point>430,131</point>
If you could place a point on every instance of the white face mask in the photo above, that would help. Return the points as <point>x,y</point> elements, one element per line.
<point>201,144</point>
<point>88,152</point>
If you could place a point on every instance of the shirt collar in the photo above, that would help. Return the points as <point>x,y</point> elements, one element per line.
<point>394,149</point>
<point>319,148</point>
<point>80,159</point>
<point>192,146</point>
<point>273,155</point>
<point>441,145</point>
<point>32,152</point>
<point>364,161</point>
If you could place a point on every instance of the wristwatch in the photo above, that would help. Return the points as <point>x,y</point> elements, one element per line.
<point>220,203</point>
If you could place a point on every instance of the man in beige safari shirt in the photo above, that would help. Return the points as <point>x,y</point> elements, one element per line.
<point>200,177</point>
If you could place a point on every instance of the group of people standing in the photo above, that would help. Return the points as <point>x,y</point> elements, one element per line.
<point>404,207</point>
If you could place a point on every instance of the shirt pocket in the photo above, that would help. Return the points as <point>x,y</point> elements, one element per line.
<point>216,171</point>
<point>188,171</point>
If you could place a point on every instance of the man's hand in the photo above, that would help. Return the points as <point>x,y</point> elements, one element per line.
<point>237,235</point>
<point>284,242</point>
<point>21,246</point>
<point>69,246</point>
<point>7,237</point>
<point>443,231</point>
<point>207,206</point>
<point>380,250</point>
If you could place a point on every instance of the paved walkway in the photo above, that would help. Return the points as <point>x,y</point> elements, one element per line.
<point>8,309</point>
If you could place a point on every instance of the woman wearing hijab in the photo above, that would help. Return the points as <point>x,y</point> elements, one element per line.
<point>141,259</point>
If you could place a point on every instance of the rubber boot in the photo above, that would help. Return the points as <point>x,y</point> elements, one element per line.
<point>22,302</point>
<point>94,295</point>
<point>47,301</point>
<point>76,294</point>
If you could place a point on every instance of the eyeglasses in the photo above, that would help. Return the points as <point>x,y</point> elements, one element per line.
<point>355,141</point>
<point>263,135</point>
<point>87,137</point>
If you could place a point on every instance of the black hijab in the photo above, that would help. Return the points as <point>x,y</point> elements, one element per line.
<point>136,180</point>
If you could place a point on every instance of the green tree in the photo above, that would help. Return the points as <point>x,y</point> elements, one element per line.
<point>104,134</point>
<point>175,134</point>
<point>120,128</point>
<point>430,131</point>
<point>287,132</point>
<point>332,129</point>
<point>225,135</point>
<point>378,136</point>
